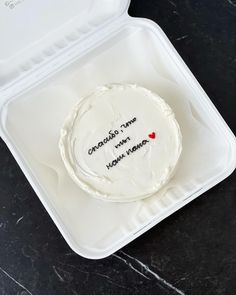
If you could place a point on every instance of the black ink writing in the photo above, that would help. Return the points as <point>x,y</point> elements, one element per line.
<point>122,142</point>
<point>137,147</point>
<point>115,162</point>
<point>127,124</point>
<point>129,152</point>
<point>112,135</point>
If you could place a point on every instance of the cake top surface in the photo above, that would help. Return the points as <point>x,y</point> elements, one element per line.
<point>121,143</point>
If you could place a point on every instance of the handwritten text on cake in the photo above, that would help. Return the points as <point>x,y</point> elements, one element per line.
<point>127,153</point>
<point>111,136</point>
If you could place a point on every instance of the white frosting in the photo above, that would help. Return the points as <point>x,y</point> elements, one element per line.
<point>121,143</point>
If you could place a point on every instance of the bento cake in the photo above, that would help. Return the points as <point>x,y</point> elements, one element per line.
<point>121,143</point>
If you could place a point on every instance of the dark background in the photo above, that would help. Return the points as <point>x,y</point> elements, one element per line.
<point>194,250</point>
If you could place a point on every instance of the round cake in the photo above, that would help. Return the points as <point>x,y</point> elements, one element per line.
<point>121,143</point>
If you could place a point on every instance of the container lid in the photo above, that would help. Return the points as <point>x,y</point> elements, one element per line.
<point>32,31</point>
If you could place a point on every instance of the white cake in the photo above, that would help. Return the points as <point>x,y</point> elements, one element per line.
<point>121,143</point>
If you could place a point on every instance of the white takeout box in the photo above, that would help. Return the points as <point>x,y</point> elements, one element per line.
<point>54,52</point>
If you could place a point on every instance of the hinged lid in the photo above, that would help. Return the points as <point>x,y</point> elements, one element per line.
<point>32,31</point>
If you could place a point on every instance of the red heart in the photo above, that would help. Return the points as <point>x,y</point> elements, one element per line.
<point>152,135</point>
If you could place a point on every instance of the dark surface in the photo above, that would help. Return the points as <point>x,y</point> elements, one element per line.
<point>194,250</point>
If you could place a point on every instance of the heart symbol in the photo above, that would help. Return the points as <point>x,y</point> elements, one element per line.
<point>152,135</point>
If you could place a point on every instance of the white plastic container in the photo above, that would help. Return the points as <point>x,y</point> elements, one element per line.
<point>53,53</point>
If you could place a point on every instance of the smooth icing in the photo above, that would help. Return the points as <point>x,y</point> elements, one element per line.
<point>121,143</point>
